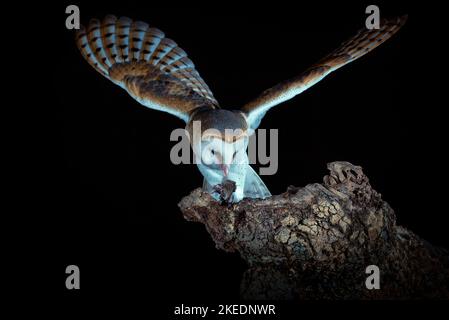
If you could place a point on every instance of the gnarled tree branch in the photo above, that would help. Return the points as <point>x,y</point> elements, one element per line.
<point>316,242</point>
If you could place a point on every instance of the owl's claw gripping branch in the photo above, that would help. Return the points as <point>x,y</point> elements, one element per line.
<point>316,242</point>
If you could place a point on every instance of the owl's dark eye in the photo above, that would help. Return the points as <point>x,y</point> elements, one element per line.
<point>213,151</point>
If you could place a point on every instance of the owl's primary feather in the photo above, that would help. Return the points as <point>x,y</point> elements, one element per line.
<point>363,42</point>
<point>151,67</point>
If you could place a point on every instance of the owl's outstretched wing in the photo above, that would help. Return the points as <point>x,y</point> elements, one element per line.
<point>151,68</point>
<point>363,42</point>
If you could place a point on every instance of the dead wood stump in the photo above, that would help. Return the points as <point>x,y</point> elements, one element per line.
<point>316,242</point>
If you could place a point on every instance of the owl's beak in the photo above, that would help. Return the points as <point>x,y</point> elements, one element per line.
<point>225,169</point>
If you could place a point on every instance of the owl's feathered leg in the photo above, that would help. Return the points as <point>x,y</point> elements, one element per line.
<point>254,186</point>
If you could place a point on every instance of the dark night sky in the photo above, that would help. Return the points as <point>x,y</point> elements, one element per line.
<point>115,191</point>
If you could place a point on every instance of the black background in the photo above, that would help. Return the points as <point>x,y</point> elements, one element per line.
<point>110,192</point>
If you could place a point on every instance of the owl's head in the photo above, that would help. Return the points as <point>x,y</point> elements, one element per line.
<point>219,139</point>
<point>220,153</point>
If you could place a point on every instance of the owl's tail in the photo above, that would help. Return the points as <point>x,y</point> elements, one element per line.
<point>117,41</point>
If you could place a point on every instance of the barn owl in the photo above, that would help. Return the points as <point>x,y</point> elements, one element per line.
<point>159,75</point>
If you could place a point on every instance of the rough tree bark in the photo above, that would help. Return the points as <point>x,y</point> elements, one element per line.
<point>316,242</point>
